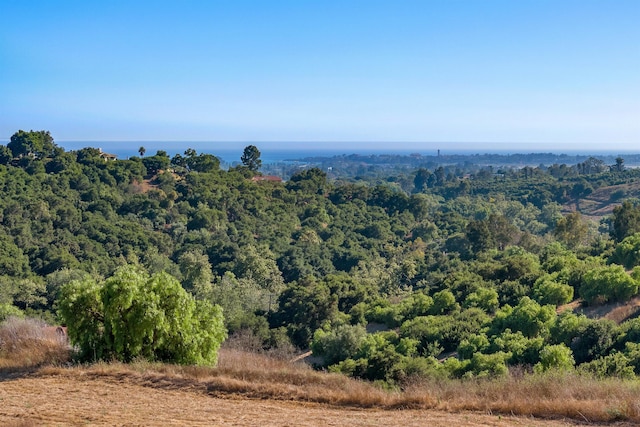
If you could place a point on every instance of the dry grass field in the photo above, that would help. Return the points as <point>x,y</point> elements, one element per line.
<point>248,389</point>
<point>73,399</point>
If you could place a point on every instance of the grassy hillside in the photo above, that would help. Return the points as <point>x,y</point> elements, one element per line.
<point>601,202</point>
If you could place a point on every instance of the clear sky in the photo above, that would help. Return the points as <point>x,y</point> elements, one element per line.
<point>522,75</point>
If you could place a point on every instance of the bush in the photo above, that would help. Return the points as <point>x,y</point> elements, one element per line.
<point>612,365</point>
<point>522,350</point>
<point>558,357</point>
<point>488,365</point>
<point>338,344</point>
<point>446,331</point>
<point>548,291</point>
<point>528,317</point>
<point>474,344</point>
<point>484,298</point>
<point>610,283</point>
<point>134,315</point>
<point>596,340</point>
<point>8,310</point>
<point>627,252</point>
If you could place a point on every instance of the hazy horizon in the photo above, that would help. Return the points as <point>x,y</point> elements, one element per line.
<point>537,74</point>
<point>425,149</point>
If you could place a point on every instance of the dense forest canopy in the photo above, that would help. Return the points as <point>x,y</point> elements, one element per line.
<point>380,271</point>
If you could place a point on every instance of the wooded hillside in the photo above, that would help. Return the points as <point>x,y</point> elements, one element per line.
<point>463,263</point>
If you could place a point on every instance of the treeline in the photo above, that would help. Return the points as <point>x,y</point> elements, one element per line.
<point>380,281</point>
<point>456,166</point>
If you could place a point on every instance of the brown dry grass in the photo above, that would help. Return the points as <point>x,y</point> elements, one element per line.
<point>246,376</point>
<point>29,343</point>
<point>616,311</point>
<point>294,388</point>
<point>69,400</point>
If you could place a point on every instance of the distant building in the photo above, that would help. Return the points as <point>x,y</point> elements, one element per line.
<point>269,178</point>
<point>107,156</point>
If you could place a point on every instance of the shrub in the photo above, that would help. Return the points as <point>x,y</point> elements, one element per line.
<point>596,340</point>
<point>469,346</point>
<point>445,331</point>
<point>8,310</point>
<point>615,364</point>
<point>528,317</point>
<point>548,291</point>
<point>338,344</point>
<point>610,283</point>
<point>522,350</point>
<point>444,302</point>
<point>483,298</point>
<point>627,252</point>
<point>488,365</point>
<point>558,357</point>
<point>567,327</point>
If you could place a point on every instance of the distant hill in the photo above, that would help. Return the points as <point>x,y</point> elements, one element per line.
<point>603,200</point>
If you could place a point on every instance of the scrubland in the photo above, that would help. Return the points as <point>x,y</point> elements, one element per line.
<point>39,385</point>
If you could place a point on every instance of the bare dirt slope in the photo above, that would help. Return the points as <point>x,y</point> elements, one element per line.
<point>62,400</point>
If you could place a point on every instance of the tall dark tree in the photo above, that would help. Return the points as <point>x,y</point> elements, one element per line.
<point>251,158</point>
<point>421,179</point>
<point>571,229</point>
<point>626,220</point>
<point>5,155</point>
<point>35,144</point>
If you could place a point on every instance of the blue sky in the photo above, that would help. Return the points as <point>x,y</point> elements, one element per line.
<point>521,75</point>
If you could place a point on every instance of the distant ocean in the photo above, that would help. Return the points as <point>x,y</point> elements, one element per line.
<point>231,156</point>
<point>124,150</point>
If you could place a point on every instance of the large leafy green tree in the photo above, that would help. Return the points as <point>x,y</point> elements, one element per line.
<point>132,314</point>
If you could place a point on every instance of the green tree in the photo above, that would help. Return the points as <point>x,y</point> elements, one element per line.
<point>36,144</point>
<point>338,344</point>
<point>5,155</point>
<point>251,158</point>
<point>8,310</point>
<point>571,229</point>
<point>523,350</point>
<point>627,252</point>
<point>305,307</point>
<point>155,164</point>
<point>595,340</point>
<point>142,150</point>
<point>528,317</point>
<point>484,298</point>
<point>132,314</point>
<point>626,220</point>
<point>312,181</point>
<point>421,179</point>
<point>546,290</point>
<point>196,271</point>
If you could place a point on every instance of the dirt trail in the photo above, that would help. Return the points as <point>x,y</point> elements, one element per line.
<point>64,401</point>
